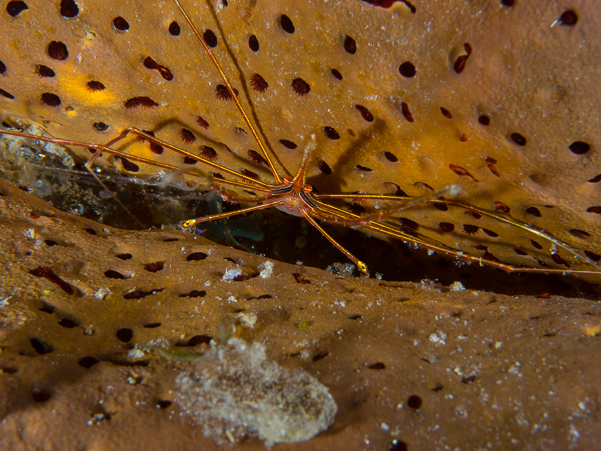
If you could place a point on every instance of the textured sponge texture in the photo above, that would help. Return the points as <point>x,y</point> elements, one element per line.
<point>107,337</point>
<point>499,97</point>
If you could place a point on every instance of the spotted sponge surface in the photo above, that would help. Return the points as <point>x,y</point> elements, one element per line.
<point>102,332</point>
<point>405,98</point>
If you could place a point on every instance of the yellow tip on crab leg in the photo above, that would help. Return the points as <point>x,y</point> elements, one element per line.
<point>362,266</point>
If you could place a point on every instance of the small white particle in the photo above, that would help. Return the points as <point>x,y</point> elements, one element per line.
<point>515,369</point>
<point>248,319</point>
<point>266,269</point>
<point>438,338</point>
<point>135,354</point>
<point>573,435</point>
<point>456,286</point>
<point>231,274</point>
<point>102,293</point>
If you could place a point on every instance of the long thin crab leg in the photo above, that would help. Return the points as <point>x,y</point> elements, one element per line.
<point>191,222</point>
<point>231,91</point>
<point>88,167</point>
<point>362,266</point>
<point>335,215</point>
<point>507,268</point>
<point>67,142</point>
<point>409,202</point>
<point>513,222</point>
<point>150,138</point>
<point>381,228</point>
<point>241,185</point>
<point>264,188</point>
<point>249,200</point>
<point>329,213</point>
<point>96,147</point>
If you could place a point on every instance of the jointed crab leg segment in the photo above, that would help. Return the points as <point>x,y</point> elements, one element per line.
<point>191,222</point>
<point>381,228</point>
<point>507,268</point>
<point>409,202</point>
<point>499,218</point>
<point>67,142</point>
<point>88,167</point>
<point>362,266</point>
<point>339,216</point>
<point>515,223</point>
<point>150,138</point>
<point>320,212</point>
<point>231,91</point>
<point>241,185</point>
<point>239,200</point>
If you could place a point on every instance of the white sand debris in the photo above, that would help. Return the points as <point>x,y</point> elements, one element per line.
<point>266,269</point>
